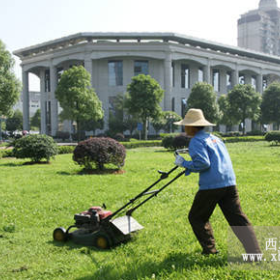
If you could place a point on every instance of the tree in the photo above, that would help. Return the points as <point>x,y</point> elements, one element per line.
<point>143,98</point>
<point>244,102</point>
<point>15,122</point>
<point>203,97</point>
<point>224,110</point>
<point>170,118</point>
<point>36,119</point>
<point>270,104</point>
<point>9,84</point>
<point>77,98</point>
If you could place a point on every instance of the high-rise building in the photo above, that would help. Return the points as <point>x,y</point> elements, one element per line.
<point>260,29</point>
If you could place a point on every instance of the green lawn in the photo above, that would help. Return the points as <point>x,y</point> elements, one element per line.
<point>35,199</point>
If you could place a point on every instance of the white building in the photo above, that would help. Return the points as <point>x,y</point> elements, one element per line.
<point>34,103</point>
<point>175,61</point>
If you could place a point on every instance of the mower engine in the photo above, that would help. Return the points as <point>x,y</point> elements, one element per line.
<point>91,218</point>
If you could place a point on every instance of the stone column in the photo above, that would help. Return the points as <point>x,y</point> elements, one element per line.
<point>43,102</point>
<point>223,81</point>
<point>260,83</point>
<point>54,103</point>
<point>235,77</point>
<point>25,97</point>
<point>167,82</point>
<point>88,67</point>
<point>207,72</point>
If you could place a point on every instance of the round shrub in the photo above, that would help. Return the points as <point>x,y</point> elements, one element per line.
<point>273,136</point>
<point>167,142</point>
<point>95,152</point>
<point>36,147</point>
<point>181,141</point>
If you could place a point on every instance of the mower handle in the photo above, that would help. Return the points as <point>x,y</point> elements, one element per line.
<point>164,175</point>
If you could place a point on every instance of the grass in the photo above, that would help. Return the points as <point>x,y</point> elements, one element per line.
<point>35,199</point>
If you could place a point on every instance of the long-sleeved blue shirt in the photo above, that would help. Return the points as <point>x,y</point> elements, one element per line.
<point>211,159</point>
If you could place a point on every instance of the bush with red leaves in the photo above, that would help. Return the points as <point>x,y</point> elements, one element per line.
<point>93,153</point>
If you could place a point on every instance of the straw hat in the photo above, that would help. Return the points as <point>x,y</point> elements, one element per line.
<point>194,117</point>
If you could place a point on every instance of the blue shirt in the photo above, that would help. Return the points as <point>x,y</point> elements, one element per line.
<point>211,159</point>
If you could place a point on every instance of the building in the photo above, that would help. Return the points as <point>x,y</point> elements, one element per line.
<point>34,103</point>
<point>260,29</point>
<point>175,61</point>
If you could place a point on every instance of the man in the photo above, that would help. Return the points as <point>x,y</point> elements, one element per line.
<point>217,185</point>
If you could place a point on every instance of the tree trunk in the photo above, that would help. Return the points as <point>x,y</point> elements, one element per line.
<point>146,128</point>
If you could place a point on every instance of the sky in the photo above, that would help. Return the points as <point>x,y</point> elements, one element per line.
<point>24,23</point>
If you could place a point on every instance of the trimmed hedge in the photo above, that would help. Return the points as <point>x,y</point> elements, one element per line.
<point>243,139</point>
<point>273,136</point>
<point>138,144</point>
<point>6,153</point>
<point>177,141</point>
<point>66,149</point>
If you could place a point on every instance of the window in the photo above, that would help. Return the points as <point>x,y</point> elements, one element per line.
<point>229,81</point>
<point>115,73</point>
<point>183,107</point>
<point>173,74</point>
<point>47,81</point>
<point>254,82</point>
<point>173,104</point>
<point>241,79</point>
<point>141,67</point>
<point>185,76</point>
<point>216,80</point>
<point>265,83</point>
<point>200,74</point>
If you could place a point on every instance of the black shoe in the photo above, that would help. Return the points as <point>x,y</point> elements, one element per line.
<point>207,253</point>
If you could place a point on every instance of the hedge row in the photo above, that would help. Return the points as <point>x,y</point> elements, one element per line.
<point>145,143</point>
<point>243,139</point>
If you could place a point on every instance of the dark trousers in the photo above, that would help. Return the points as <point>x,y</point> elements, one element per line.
<point>203,206</point>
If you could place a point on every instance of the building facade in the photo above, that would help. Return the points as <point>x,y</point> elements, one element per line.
<point>177,62</point>
<point>260,29</point>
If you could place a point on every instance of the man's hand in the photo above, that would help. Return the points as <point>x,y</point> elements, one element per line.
<point>179,161</point>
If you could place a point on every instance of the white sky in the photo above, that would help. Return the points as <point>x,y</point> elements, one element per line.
<point>27,22</point>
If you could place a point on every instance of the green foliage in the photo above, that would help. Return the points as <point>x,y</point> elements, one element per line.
<point>96,152</point>
<point>36,119</point>
<point>204,97</point>
<point>143,98</point>
<point>165,120</point>
<point>6,153</point>
<point>9,85</point>
<point>225,117</point>
<point>77,97</point>
<point>65,149</point>
<point>244,102</point>
<point>237,139</point>
<point>175,141</point>
<point>270,104</point>
<point>36,147</point>
<point>137,144</point>
<point>15,121</point>
<point>273,136</point>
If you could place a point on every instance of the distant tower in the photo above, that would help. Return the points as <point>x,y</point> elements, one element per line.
<point>260,29</point>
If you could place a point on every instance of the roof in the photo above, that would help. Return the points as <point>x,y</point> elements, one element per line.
<point>138,36</point>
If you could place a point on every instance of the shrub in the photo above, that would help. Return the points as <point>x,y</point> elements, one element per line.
<point>181,141</point>
<point>95,152</point>
<point>137,144</point>
<point>273,136</point>
<point>64,135</point>
<point>6,153</point>
<point>65,149</point>
<point>36,147</point>
<point>119,137</point>
<point>167,142</point>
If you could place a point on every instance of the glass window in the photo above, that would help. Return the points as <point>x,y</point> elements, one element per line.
<point>173,104</point>
<point>115,73</point>
<point>200,74</point>
<point>254,82</point>
<point>216,80</point>
<point>185,76</point>
<point>141,67</point>
<point>241,79</point>
<point>229,81</point>
<point>47,81</point>
<point>173,74</point>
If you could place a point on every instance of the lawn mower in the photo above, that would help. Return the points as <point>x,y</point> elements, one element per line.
<point>104,229</point>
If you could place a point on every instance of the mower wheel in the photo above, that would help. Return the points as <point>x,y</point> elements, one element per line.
<point>59,234</point>
<point>102,241</point>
